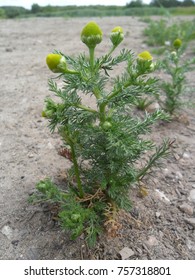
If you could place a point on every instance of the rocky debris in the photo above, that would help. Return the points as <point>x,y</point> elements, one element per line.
<point>192,196</point>
<point>162,196</point>
<point>191,245</point>
<point>166,171</point>
<point>151,241</point>
<point>186,208</point>
<point>7,231</point>
<point>153,107</point>
<point>186,155</point>
<point>126,253</point>
<point>15,242</point>
<point>190,221</point>
<point>30,155</point>
<point>157,214</point>
<point>50,145</point>
<point>178,175</point>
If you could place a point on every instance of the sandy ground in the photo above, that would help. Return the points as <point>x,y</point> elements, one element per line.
<point>159,229</point>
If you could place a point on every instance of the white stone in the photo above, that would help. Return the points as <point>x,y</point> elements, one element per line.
<point>192,196</point>
<point>166,171</point>
<point>7,231</point>
<point>30,155</point>
<point>50,146</point>
<point>126,253</point>
<point>186,155</point>
<point>151,241</point>
<point>162,196</point>
<point>158,214</point>
<point>178,175</point>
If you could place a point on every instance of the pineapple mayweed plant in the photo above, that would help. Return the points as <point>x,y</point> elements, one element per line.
<point>105,145</point>
<point>176,66</point>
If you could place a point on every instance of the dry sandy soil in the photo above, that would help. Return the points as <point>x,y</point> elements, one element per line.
<point>158,228</point>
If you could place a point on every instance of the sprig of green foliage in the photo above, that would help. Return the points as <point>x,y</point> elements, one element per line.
<point>105,143</point>
<point>161,33</point>
<point>176,67</point>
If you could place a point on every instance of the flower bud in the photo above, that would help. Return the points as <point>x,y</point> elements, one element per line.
<point>106,125</point>
<point>91,34</point>
<point>116,36</point>
<point>144,62</point>
<point>177,44</point>
<point>145,56</point>
<point>174,54</point>
<point>56,63</point>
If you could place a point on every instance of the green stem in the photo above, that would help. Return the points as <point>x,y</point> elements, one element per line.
<point>91,57</point>
<point>68,71</point>
<point>96,91</point>
<point>76,169</point>
<point>104,104</point>
<point>102,112</point>
<point>111,50</point>
<point>88,109</point>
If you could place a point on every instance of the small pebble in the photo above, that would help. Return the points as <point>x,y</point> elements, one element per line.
<point>165,171</point>
<point>30,155</point>
<point>50,146</point>
<point>186,155</point>
<point>186,208</point>
<point>178,175</point>
<point>192,196</point>
<point>153,107</point>
<point>162,196</point>
<point>151,241</point>
<point>190,244</point>
<point>191,221</point>
<point>158,214</point>
<point>126,253</point>
<point>7,231</point>
<point>15,242</point>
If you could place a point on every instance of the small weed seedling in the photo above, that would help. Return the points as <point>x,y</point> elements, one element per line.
<point>105,145</point>
<point>175,66</point>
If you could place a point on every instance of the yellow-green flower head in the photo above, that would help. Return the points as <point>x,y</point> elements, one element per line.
<point>146,56</point>
<point>56,63</point>
<point>116,35</point>
<point>177,43</point>
<point>91,35</point>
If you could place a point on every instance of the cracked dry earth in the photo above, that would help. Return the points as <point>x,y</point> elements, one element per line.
<point>160,225</point>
